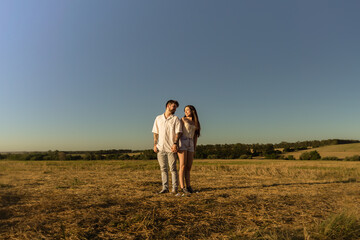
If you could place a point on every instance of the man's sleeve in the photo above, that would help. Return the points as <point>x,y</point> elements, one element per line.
<point>178,127</point>
<point>155,127</point>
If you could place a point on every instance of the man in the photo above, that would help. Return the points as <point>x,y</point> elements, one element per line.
<point>167,131</point>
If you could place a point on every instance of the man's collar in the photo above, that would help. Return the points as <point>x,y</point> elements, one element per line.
<point>170,116</point>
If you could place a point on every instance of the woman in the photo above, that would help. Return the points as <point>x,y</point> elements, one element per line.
<point>187,145</point>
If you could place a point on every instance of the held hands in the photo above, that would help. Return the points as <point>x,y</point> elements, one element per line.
<point>174,148</point>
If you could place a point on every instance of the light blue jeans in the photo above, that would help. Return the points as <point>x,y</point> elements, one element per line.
<point>166,160</point>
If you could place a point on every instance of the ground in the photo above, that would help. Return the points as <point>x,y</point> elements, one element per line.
<point>236,199</point>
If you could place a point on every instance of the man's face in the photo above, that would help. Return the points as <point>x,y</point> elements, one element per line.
<point>172,108</point>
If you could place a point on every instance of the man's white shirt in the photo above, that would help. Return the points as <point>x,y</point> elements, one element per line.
<point>167,130</point>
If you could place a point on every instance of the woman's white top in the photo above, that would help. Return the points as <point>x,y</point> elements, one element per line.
<point>189,129</point>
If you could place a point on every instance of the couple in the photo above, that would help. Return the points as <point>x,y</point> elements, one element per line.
<point>171,136</point>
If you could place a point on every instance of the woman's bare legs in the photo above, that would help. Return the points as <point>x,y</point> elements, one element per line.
<point>183,162</point>
<point>189,162</point>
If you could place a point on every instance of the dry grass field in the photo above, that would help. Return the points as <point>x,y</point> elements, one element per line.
<point>341,151</point>
<point>237,199</point>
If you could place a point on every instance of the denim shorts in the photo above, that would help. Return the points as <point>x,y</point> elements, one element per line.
<point>186,144</point>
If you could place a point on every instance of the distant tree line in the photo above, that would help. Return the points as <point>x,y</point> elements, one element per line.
<point>82,155</point>
<point>270,151</point>
<point>296,146</point>
<point>111,151</point>
<point>216,151</point>
<point>235,151</point>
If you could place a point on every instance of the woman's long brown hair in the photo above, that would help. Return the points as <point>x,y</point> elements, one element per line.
<point>195,119</point>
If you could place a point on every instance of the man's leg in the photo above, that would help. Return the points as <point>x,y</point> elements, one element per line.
<point>163,162</point>
<point>174,174</point>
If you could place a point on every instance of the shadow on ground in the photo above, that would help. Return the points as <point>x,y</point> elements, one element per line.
<point>350,180</point>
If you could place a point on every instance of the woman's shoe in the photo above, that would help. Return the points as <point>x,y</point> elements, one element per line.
<point>184,190</point>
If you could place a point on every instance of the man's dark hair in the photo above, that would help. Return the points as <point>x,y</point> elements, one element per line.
<point>172,102</point>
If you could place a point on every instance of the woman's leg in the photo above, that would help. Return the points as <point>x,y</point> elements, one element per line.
<point>183,161</point>
<point>189,162</point>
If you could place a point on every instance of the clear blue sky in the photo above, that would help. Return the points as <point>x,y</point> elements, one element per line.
<point>90,75</point>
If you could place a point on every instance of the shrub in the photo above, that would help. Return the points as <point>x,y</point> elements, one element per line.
<point>125,157</point>
<point>245,156</point>
<point>73,157</point>
<point>288,149</point>
<point>313,155</point>
<point>148,154</point>
<point>330,158</point>
<point>290,157</point>
<point>305,156</point>
<point>272,156</point>
<point>353,158</point>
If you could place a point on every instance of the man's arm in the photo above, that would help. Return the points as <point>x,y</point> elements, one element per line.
<point>177,137</point>
<point>178,130</point>
<point>156,138</point>
<point>174,148</point>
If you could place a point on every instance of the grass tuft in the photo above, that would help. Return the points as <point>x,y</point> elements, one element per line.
<point>341,226</point>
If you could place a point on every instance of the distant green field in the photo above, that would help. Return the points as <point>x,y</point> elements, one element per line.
<point>340,150</point>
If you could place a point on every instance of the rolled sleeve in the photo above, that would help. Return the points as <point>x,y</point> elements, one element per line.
<point>155,127</point>
<point>178,127</point>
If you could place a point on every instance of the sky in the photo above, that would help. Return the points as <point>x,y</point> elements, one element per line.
<point>92,75</point>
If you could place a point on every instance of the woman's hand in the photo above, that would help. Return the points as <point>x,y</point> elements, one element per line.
<point>174,148</point>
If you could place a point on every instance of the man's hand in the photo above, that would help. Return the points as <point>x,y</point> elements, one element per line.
<point>174,148</point>
<point>156,137</point>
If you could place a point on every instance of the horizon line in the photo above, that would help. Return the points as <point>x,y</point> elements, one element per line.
<point>135,150</point>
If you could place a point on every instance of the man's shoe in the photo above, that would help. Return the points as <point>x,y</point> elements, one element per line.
<point>174,191</point>
<point>164,191</point>
<point>190,189</point>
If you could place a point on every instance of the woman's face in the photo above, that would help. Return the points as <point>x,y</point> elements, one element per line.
<point>187,112</point>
